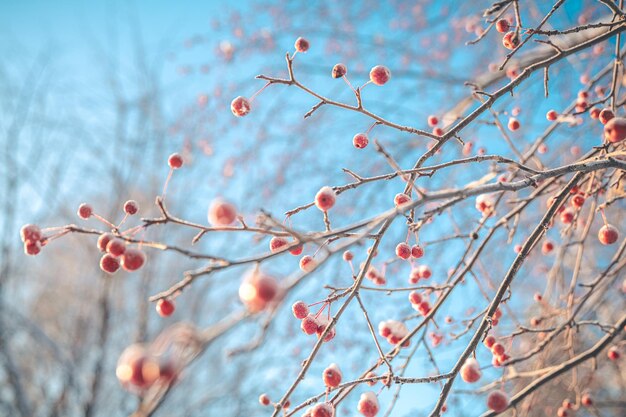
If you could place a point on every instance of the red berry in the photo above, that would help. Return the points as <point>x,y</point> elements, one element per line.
<point>615,130</point>
<point>608,234</point>
<point>332,376</point>
<point>309,324</point>
<point>136,368</point>
<point>116,247</point>
<point>175,161</point>
<point>513,124</point>
<point>264,399</point>
<point>85,211</point>
<point>307,263</point>
<point>510,40</point>
<point>302,45</point>
<point>133,259</point>
<point>240,106</point>
<point>547,247</point>
<point>368,404</point>
<point>578,201</point>
<point>323,410</point>
<point>32,247</point>
<point>360,140</point>
<point>221,213</point>
<point>30,232</point>
<point>300,310</point>
<point>109,263</point>
<point>497,401</point>
<point>437,131</point>
<point>339,70</point>
<point>131,207</point>
<point>296,250</point>
<point>165,307</point>
<point>497,349</point>
<point>104,240</point>
<point>277,244</point>
<point>567,403</point>
<point>371,375</point>
<point>552,115</point>
<point>594,113</point>
<point>258,290</point>
<point>470,371</point>
<point>401,199</point>
<point>379,75</point>
<point>348,256</point>
<point>613,353</point>
<point>425,271</point>
<point>433,121</point>
<point>489,341</point>
<point>567,216</point>
<point>586,400</point>
<point>415,297</point>
<point>502,25</point>
<point>325,198</point>
<point>417,251</point>
<point>403,251</point>
<point>606,115</point>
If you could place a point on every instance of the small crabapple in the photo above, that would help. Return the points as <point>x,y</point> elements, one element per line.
<point>510,40</point>
<point>136,368</point>
<point>605,115</point>
<point>403,251</point>
<point>325,409</point>
<point>339,70</point>
<point>552,115</point>
<point>332,376</point>
<point>85,211</point>
<point>264,399</point>
<point>348,256</point>
<point>30,232</point>
<point>379,75</point>
<point>433,121</point>
<point>296,250</point>
<point>437,131</point>
<point>567,216</point>
<point>586,400</point>
<point>104,240</point>
<point>613,353</point>
<point>32,247</point>
<point>417,251</point>
<point>497,349</point>
<point>307,263</point>
<point>116,247</point>
<point>497,401</point>
<point>578,200</point>
<point>502,25</point>
<point>608,234</point>
<point>547,247</point>
<point>594,113</point>
<point>131,207</point>
<point>401,199</point>
<point>368,404</point>
<point>360,140</point>
<point>425,271</point>
<point>133,259</point>
<point>257,290</point>
<point>309,324</point>
<point>301,45</point>
<point>221,213</point>
<point>240,106</point>
<point>277,244</point>
<point>562,412</point>
<point>513,124</point>
<point>175,161</point>
<point>300,310</point>
<point>165,307</point>
<point>470,371</point>
<point>415,298</point>
<point>615,130</point>
<point>567,403</point>
<point>325,198</point>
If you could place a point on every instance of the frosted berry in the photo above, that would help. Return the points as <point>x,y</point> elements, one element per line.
<point>489,341</point>
<point>301,45</point>
<point>165,307</point>
<point>175,161</point>
<point>514,124</point>
<point>332,376</point>
<point>264,399</point>
<point>348,256</point>
<point>339,70</point>
<point>221,213</point>
<point>296,250</point>
<point>586,400</point>
<point>131,207</point>
<point>497,401</point>
<point>510,40</point>
<point>85,211</point>
<point>425,272</point>
<point>240,106</point>
<point>32,247</point>
<point>104,240</point>
<point>109,263</point>
<point>415,297</point>
<point>502,25</point>
<point>608,234</point>
<point>277,244</point>
<point>547,247</point>
<point>325,409</point>
<point>379,75</point>
<point>401,199</point>
<point>470,371</point>
<point>368,404</point>
<point>615,130</point>
<point>116,247</point>
<point>300,310</point>
<point>325,198</point>
<point>497,349</point>
<point>433,121</point>
<point>257,290</point>
<point>417,251</point>
<point>307,263</point>
<point>133,259</point>
<point>403,251</point>
<point>360,140</point>
<point>30,232</point>
<point>605,115</point>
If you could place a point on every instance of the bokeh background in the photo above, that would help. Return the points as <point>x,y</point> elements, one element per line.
<point>94,96</point>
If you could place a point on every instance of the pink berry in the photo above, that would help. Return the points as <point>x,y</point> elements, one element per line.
<point>425,271</point>
<point>417,251</point>
<point>401,199</point>
<point>547,247</point>
<point>470,371</point>
<point>165,307</point>
<point>415,297</point>
<point>133,259</point>
<point>30,232</point>
<point>552,115</point>
<point>175,161</point>
<point>368,404</point>
<point>258,290</point>
<point>510,40</point>
<point>332,376</point>
<point>613,353</point>
<point>309,324</point>
<point>348,256</point>
<point>403,251</point>
<point>264,399</point>
<point>497,349</point>
<point>433,121</point>
<point>240,106</point>
<point>489,341</point>
<point>502,25</point>
<point>325,198</point>
<point>360,140</point>
<point>339,70</point>
<point>608,234</point>
<point>277,244</point>
<point>586,400</point>
<point>300,310</point>
<point>104,240</point>
<point>605,115</point>
<point>296,250</point>
<point>594,113</point>
<point>379,75</point>
<point>615,130</point>
<point>32,247</point>
<point>131,207</point>
<point>109,263</point>
<point>497,401</point>
<point>221,213</point>
<point>567,216</point>
<point>301,45</point>
<point>307,263</point>
<point>514,124</point>
<point>85,211</point>
<point>116,247</point>
<point>325,409</point>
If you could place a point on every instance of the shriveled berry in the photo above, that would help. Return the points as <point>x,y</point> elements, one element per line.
<point>104,240</point>
<point>606,115</point>
<point>32,247</point>
<point>309,324</point>
<point>401,199</point>
<point>278,244</point>
<point>332,376</point>
<point>417,251</point>
<point>510,40</point>
<point>307,263</point>
<point>502,25</point>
